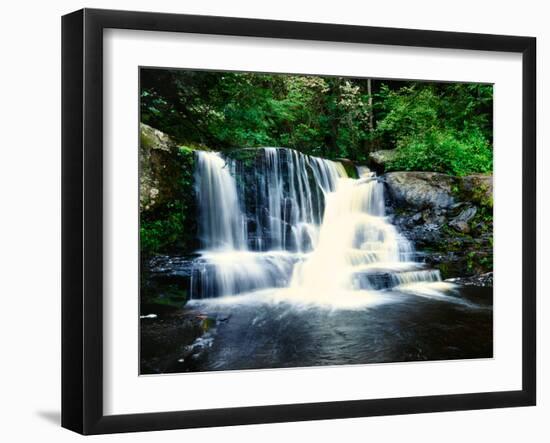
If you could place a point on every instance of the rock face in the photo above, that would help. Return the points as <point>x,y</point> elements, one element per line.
<point>158,169</point>
<point>166,193</point>
<point>449,219</point>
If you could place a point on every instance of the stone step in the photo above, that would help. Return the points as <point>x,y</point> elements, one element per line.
<point>380,279</point>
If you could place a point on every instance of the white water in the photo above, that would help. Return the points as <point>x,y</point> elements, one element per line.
<point>294,206</point>
<point>221,222</point>
<point>354,234</point>
<point>310,230</point>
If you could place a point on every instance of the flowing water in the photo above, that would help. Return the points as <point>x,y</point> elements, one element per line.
<point>301,266</point>
<point>311,230</point>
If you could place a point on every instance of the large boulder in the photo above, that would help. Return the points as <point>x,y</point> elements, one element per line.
<point>379,159</point>
<point>421,190</point>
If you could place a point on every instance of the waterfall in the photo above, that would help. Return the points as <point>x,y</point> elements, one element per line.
<point>292,184</point>
<point>288,220</point>
<point>221,222</point>
<point>354,235</point>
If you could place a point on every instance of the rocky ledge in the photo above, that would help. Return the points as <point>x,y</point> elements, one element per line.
<point>449,219</point>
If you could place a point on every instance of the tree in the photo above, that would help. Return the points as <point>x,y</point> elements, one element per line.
<point>434,126</point>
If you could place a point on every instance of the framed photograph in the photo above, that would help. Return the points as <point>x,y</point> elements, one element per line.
<point>269,221</point>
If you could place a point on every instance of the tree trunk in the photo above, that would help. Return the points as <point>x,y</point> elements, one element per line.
<point>371,113</point>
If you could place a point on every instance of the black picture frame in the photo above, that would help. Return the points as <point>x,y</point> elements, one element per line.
<point>82,220</point>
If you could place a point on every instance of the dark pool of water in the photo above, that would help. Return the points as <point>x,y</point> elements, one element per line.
<point>282,335</point>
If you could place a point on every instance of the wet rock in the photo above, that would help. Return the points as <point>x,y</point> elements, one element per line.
<point>433,218</point>
<point>483,280</point>
<point>165,283</point>
<point>417,218</point>
<point>460,226</point>
<point>167,274</point>
<point>467,214</point>
<point>171,265</point>
<point>460,223</point>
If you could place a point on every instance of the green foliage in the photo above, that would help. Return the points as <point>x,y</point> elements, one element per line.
<point>443,150</point>
<point>483,221</point>
<point>325,116</point>
<point>172,295</point>
<point>246,156</point>
<point>350,168</point>
<point>158,234</point>
<point>479,262</point>
<point>442,128</point>
<point>482,197</point>
<point>173,224</point>
<point>436,127</point>
<point>445,270</point>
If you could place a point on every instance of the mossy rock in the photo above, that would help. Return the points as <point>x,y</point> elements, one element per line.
<point>166,197</point>
<point>151,138</point>
<point>477,188</point>
<point>167,295</point>
<point>208,323</point>
<point>349,166</point>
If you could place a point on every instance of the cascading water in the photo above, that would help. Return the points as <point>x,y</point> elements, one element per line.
<point>221,223</point>
<point>227,265</point>
<point>297,222</point>
<point>288,189</point>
